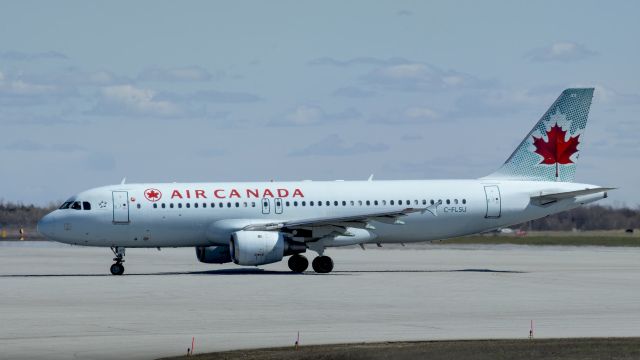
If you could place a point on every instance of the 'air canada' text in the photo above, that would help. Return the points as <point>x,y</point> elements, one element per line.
<point>233,193</point>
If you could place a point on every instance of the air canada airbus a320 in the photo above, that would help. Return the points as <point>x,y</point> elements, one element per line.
<point>254,224</point>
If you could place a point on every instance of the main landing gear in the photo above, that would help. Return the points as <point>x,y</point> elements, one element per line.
<point>117,268</point>
<point>321,264</point>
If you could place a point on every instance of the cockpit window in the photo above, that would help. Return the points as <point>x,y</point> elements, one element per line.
<point>66,205</point>
<point>76,206</point>
<point>86,205</point>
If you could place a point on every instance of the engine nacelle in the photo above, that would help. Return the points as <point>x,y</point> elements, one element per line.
<point>213,254</point>
<point>261,247</point>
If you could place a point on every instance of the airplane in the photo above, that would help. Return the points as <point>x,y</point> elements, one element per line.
<point>258,223</point>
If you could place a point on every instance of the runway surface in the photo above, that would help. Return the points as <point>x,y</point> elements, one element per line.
<point>58,301</point>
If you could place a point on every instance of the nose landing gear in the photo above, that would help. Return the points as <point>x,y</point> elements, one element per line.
<point>117,268</point>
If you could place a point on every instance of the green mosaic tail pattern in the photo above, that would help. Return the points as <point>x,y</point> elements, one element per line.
<point>551,150</point>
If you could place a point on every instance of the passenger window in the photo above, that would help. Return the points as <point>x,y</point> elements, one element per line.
<point>228,204</point>
<point>76,206</point>
<point>432,202</point>
<point>171,205</point>
<point>408,202</point>
<point>464,201</point>
<point>179,205</point>
<point>390,202</point>
<point>204,205</point>
<point>384,202</point>
<point>65,205</point>
<point>359,202</point>
<point>368,202</point>
<point>237,204</point>
<point>344,203</point>
<point>295,203</point>
<point>213,205</point>
<point>375,202</point>
<point>448,201</point>
<point>138,206</point>
<point>253,204</point>
<point>310,203</point>
<point>415,202</point>
<point>351,202</point>
<point>304,203</point>
<point>188,205</point>
<point>221,205</point>
<point>163,206</point>
<point>245,204</point>
<point>335,203</point>
<point>455,201</point>
<point>328,203</point>
<point>399,202</point>
<point>86,205</point>
<point>195,205</point>
<point>424,202</point>
<point>319,203</point>
<point>287,203</point>
<point>155,206</point>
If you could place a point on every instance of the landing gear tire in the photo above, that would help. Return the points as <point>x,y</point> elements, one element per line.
<point>117,269</point>
<point>322,264</point>
<point>298,263</point>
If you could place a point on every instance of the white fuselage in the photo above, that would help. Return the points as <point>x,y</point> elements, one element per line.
<point>204,214</point>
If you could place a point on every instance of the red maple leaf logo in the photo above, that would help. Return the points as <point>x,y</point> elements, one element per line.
<point>556,150</point>
<point>153,194</point>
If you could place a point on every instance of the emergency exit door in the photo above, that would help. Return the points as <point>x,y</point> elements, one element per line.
<point>120,207</point>
<point>494,205</point>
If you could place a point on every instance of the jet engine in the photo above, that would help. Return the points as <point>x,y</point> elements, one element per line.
<point>261,247</point>
<point>213,255</point>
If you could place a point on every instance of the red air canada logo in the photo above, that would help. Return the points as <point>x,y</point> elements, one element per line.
<point>556,150</point>
<point>153,194</point>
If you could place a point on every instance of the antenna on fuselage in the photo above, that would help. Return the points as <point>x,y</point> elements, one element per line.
<point>122,183</point>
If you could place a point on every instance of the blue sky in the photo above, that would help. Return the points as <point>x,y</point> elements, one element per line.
<point>158,91</point>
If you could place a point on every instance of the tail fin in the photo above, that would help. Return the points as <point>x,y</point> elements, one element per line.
<point>551,150</point>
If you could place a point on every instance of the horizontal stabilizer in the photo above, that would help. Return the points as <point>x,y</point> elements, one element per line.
<point>568,194</point>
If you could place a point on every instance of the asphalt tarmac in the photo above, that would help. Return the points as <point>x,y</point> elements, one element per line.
<point>58,301</point>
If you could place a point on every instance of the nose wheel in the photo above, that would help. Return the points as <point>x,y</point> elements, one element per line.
<point>117,268</point>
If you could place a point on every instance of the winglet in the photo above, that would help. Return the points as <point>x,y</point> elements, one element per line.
<point>370,178</point>
<point>122,183</point>
<point>433,208</point>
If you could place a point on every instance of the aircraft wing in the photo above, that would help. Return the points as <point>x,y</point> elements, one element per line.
<point>361,221</point>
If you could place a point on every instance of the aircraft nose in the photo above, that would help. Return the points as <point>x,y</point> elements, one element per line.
<point>47,226</point>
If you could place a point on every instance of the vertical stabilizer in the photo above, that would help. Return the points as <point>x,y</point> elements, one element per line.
<point>550,152</point>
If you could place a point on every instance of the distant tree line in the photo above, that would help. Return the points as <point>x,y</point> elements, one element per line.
<point>593,217</point>
<point>584,218</point>
<point>18,215</point>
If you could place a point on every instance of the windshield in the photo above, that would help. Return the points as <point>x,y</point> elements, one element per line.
<point>66,205</point>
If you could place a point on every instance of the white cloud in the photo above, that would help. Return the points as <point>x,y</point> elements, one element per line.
<point>178,74</point>
<point>353,92</point>
<point>79,78</point>
<point>412,76</point>
<point>305,115</point>
<point>560,51</point>
<point>17,90</point>
<point>505,100</point>
<point>333,145</point>
<point>410,115</point>
<point>610,96</point>
<point>21,56</point>
<point>128,100</point>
